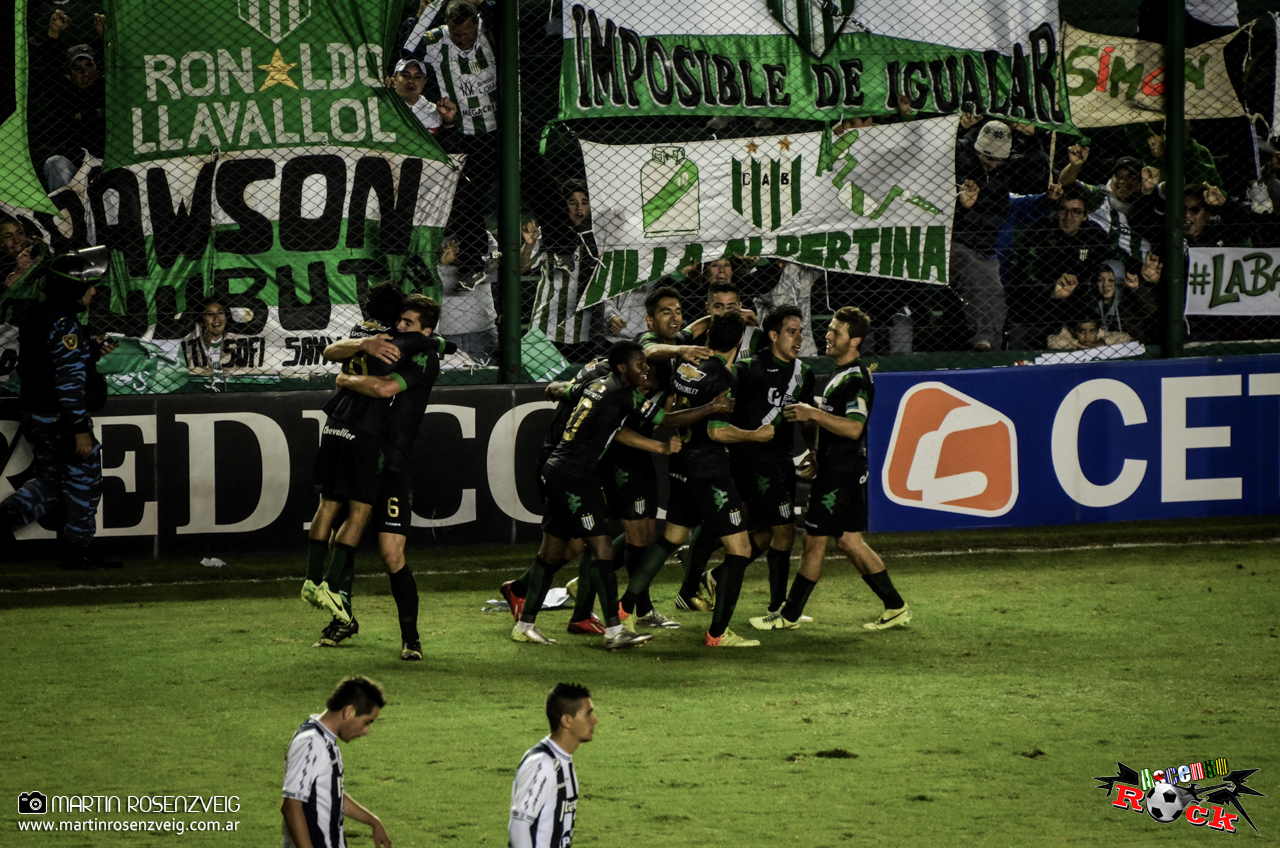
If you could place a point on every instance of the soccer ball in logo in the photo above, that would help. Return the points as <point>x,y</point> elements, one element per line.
<point>1165,802</point>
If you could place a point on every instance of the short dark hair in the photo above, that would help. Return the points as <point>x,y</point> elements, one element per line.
<point>777,316</point>
<point>858,322</point>
<point>565,699</point>
<point>1075,191</point>
<point>722,287</point>
<point>572,187</point>
<point>622,352</point>
<point>358,691</point>
<point>428,310</point>
<point>659,294</point>
<point>726,331</point>
<point>1196,190</point>
<point>460,10</point>
<point>383,303</point>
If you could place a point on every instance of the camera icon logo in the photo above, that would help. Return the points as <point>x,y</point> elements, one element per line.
<point>33,803</point>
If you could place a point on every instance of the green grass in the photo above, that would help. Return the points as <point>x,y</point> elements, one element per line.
<point>1023,675</point>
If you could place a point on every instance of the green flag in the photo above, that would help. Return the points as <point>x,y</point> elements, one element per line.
<point>259,159</point>
<point>19,185</point>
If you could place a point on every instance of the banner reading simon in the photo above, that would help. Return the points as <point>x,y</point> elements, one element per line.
<point>873,201</point>
<point>256,156</point>
<point>1113,81</point>
<point>810,59</point>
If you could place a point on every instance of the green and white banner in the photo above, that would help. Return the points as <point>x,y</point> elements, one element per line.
<point>875,201</point>
<point>1113,81</point>
<point>258,157</point>
<point>1233,281</point>
<point>810,59</point>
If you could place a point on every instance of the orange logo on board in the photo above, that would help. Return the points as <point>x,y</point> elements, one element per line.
<point>951,453</point>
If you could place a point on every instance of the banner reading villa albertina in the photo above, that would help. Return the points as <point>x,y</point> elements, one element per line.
<point>810,59</point>
<point>258,157</point>
<point>873,201</point>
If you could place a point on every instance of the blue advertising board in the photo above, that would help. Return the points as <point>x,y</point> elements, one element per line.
<point>1066,444</point>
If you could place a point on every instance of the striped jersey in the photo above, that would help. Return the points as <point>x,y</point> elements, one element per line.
<point>467,77</point>
<point>544,799</point>
<point>564,279</point>
<point>313,775</point>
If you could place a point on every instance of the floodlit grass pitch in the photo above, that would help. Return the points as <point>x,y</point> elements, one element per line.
<point>1023,675</point>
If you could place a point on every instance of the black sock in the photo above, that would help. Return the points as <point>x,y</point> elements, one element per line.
<point>883,587</point>
<point>539,584</point>
<point>317,553</point>
<point>801,589</point>
<point>756,550</point>
<point>405,591</point>
<point>779,571</point>
<point>727,591</point>
<point>654,558</point>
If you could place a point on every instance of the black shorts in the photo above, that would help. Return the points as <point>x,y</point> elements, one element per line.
<point>346,467</point>
<point>837,505</point>
<point>393,511</point>
<point>768,488</point>
<point>630,485</point>
<point>712,502</point>
<point>573,509</point>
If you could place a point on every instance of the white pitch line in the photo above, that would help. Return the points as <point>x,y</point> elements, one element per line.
<point>832,557</point>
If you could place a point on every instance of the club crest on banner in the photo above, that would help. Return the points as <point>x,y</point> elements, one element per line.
<point>814,24</point>
<point>275,19</point>
<point>766,188</point>
<point>669,191</point>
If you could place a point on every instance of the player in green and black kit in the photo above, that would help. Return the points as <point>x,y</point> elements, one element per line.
<point>346,468</point>
<point>393,510</point>
<point>574,505</point>
<point>702,488</point>
<point>766,474</point>
<point>838,500</point>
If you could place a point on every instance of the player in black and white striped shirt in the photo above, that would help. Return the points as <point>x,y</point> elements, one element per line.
<point>315,802</point>
<point>544,796</point>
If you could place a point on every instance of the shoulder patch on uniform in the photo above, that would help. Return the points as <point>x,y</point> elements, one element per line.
<point>71,341</point>
<point>690,372</point>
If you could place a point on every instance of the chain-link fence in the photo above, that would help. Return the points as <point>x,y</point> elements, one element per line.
<point>989,183</point>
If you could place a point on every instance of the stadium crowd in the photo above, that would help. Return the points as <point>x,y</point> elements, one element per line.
<point>1040,225</point>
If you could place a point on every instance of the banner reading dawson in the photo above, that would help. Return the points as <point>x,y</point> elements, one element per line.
<point>810,59</point>
<point>1233,281</point>
<point>258,157</point>
<point>1113,81</point>
<point>872,201</point>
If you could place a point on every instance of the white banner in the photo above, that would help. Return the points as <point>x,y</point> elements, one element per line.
<point>1234,281</point>
<point>877,201</point>
<point>984,25</point>
<point>1113,81</point>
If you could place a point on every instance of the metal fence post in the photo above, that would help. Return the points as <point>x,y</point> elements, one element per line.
<point>1175,141</point>
<point>509,189</point>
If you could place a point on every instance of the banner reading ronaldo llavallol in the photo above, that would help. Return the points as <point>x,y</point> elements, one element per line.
<point>258,157</point>
<point>810,59</point>
<point>875,201</point>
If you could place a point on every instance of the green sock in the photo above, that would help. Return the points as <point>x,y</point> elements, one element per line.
<point>317,552</point>
<point>342,554</point>
<point>346,583</point>
<point>779,571</point>
<point>650,565</point>
<point>588,586</point>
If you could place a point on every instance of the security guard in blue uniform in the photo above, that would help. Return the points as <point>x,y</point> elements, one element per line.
<point>61,386</point>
